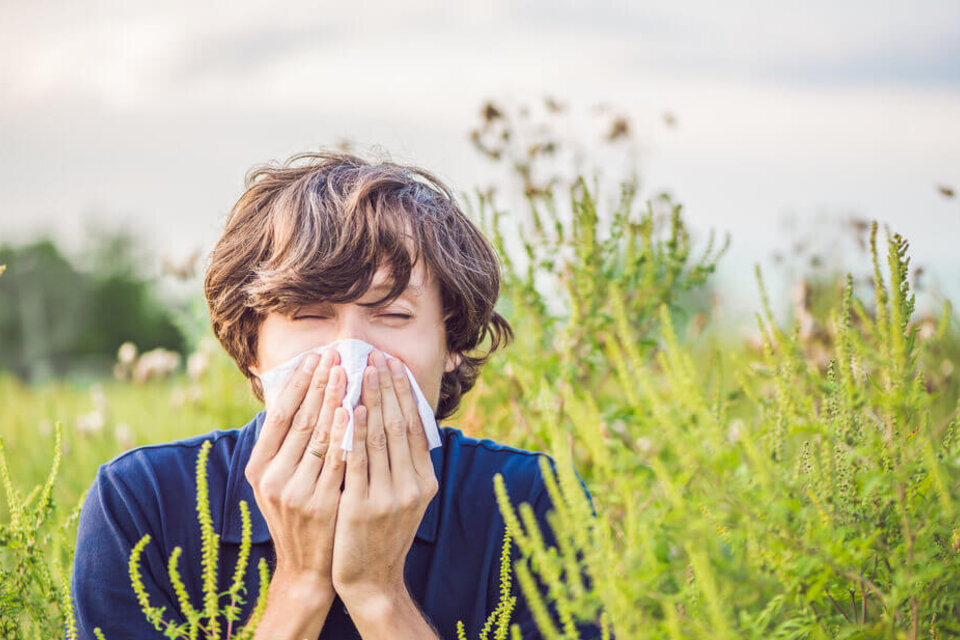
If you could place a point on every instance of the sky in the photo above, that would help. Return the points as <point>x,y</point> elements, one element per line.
<point>789,117</point>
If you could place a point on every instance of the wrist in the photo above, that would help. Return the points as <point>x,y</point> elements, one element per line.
<point>376,604</point>
<point>297,607</point>
<point>310,590</point>
<point>389,614</point>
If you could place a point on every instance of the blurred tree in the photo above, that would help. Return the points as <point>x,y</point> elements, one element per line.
<point>58,319</point>
<point>41,295</point>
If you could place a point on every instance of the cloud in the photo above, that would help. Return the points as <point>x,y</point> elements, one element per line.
<point>141,56</point>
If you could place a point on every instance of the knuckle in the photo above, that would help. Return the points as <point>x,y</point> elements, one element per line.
<point>292,497</point>
<point>277,417</point>
<point>301,422</point>
<point>302,378</point>
<point>396,425</point>
<point>299,382</point>
<point>270,488</point>
<point>316,509</point>
<point>409,498</point>
<point>416,433</point>
<point>321,438</point>
<point>377,440</point>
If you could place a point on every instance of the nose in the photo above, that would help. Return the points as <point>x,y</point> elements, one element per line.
<point>351,323</point>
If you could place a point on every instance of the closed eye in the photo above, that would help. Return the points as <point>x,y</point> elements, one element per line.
<point>386,315</point>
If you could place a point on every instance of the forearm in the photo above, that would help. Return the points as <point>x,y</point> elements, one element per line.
<point>391,617</point>
<point>296,609</point>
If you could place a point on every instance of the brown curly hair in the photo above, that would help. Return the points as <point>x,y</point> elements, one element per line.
<point>317,228</point>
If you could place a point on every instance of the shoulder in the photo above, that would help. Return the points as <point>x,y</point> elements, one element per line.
<point>472,463</point>
<point>149,486</point>
<point>169,461</point>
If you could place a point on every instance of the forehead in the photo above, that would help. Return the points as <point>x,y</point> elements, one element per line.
<point>418,283</point>
<point>419,289</point>
<point>419,278</point>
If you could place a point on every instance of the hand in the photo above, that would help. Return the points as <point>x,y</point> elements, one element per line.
<point>389,483</point>
<point>298,492</point>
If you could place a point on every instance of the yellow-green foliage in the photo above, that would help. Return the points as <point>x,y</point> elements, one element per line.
<point>32,602</point>
<point>750,496</point>
<point>803,487</point>
<point>499,618</point>
<point>205,621</point>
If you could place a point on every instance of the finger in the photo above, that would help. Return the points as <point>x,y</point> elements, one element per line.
<point>331,476</point>
<point>355,477</point>
<point>332,400</point>
<point>416,435</point>
<point>378,460</point>
<point>395,426</point>
<point>308,469</point>
<point>277,421</point>
<point>304,421</point>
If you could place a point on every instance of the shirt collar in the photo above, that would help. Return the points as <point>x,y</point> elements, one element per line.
<point>239,489</point>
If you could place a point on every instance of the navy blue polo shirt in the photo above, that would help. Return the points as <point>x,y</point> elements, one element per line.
<point>452,569</point>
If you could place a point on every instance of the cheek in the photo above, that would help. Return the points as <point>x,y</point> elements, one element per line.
<point>280,339</point>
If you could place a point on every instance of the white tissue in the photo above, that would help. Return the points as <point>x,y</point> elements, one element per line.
<point>353,358</point>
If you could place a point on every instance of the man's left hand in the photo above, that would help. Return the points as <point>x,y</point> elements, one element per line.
<point>388,484</point>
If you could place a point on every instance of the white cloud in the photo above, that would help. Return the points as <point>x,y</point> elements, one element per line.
<point>154,112</point>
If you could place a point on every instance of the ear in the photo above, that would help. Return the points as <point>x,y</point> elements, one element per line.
<point>453,361</point>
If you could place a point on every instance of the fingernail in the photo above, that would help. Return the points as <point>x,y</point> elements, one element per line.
<point>380,361</point>
<point>310,362</point>
<point>394,365</point>
<point>373,380</point>
<point>327,357</point>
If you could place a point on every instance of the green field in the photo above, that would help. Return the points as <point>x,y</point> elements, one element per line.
<point>800,485</point>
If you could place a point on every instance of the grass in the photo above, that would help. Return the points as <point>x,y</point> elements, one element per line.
<point>802,487</point>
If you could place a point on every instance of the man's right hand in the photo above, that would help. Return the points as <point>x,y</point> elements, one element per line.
<point>298,492</point>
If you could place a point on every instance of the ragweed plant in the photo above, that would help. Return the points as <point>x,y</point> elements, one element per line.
<point>36,555</point>
<point>570,256</point>
<point>757,498</point>
<point>499,618</point>
<point>793,490</point>
<point>34,603</point>
<point>205,620</point>
<point>608,272</point>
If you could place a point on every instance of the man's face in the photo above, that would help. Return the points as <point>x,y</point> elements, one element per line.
<point>418,340</point>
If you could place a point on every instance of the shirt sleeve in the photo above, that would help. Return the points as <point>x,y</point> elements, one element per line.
<point>111,522</point>
<point>542,504</point>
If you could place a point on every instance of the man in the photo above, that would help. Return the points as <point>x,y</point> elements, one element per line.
<point>396,541</point>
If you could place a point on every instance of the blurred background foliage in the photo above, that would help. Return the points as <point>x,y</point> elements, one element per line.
<point>795,478</point>
<point>66,317</point>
